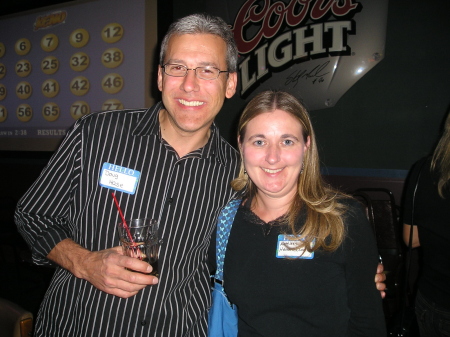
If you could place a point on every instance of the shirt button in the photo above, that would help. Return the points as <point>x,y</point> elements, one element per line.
<point>143,322</point>
<point>170,200</point>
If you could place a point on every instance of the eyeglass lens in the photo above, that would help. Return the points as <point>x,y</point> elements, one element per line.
<point>177,70</point>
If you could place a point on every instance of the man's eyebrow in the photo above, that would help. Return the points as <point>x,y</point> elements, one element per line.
<point>200,64</point>
<point>175,61</point>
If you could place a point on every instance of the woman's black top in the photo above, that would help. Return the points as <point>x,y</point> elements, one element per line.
<point>432,218</point>
<point>331,294</point>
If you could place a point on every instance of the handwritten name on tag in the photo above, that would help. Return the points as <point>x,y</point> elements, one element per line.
<point>119,178</point>
<point>288,246</point>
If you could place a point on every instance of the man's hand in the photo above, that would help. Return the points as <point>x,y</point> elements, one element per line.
<point>380,277</point>
<point>104,269</point>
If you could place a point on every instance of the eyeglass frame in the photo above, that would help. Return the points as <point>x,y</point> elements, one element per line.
<point>195,71</point>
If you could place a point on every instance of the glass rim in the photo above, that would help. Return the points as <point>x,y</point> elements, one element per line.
<point>139,222</point>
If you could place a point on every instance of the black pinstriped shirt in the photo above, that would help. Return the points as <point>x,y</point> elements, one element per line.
<point>184,194</point>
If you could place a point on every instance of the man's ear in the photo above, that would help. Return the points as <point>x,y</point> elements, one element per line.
<point>231,85</point>
<point>160,78</point>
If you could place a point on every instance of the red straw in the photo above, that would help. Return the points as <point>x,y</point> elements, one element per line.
<point>123,218</point>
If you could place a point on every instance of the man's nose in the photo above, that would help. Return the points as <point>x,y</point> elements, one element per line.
<point>190,81</point>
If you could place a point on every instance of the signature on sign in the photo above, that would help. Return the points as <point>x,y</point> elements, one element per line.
<point>315,75</point>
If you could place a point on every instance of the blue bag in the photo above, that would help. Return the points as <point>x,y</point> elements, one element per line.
<point>223,318</point>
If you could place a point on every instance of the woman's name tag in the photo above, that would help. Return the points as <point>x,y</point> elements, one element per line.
<point>288,246</point>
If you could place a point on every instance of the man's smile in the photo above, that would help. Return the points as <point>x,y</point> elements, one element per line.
<point>190,103</point>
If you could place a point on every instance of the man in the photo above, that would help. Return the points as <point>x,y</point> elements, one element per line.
<point>185,167</point>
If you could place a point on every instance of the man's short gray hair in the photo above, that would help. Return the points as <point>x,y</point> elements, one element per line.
<point>203,24</point>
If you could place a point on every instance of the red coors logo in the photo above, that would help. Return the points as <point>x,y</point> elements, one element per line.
<point>277,13</point>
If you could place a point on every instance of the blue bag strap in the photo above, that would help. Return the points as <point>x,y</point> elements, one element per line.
<point>224,223</point>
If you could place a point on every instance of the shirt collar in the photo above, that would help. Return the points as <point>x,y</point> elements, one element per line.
<point>148,121</point>
<point>148,124</point>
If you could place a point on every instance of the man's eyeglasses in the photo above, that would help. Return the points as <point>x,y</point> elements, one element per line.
<point>205,73</point>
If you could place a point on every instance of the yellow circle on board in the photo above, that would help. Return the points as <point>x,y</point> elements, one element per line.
<point>50,88</point>
<point>49,42</point>
<point>3,114</point>
<point>22,46</point>
<point>24,112</point>
<point>23,68</point>
<point>112,83</point>
<point>2,92</point>
<point>51,111</point>
<point>79,61</point>
<point>2,70</point>
<point>2,49</point>
<point>112,104</point>
<point>112,57</point>
<point>79,86</point>
<point>112,32</point>
<point>79,109</point>
<point>79,38</point>
<point>49,65</point>
<point>24,90</point>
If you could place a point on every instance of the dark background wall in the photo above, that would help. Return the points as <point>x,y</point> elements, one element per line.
<point>392,116</point>
<point>378,129</point>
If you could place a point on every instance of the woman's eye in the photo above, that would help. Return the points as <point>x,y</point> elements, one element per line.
<point>259,142</point>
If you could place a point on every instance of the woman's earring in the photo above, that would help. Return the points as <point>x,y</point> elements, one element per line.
<point>303,165</point>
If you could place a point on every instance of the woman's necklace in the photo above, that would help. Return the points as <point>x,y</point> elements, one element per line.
<point>266,227</point>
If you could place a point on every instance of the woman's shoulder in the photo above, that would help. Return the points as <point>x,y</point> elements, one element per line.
<point>354,210</point>
<point>348,203</point>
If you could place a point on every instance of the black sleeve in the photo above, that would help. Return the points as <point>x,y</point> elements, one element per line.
<point>361,260</point>
<point>41,214</point>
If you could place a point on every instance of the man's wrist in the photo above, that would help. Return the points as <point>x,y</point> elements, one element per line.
<point>70,256</point>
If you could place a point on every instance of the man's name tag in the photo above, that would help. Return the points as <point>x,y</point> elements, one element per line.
<point>289,247</point>
<point>119,178</point>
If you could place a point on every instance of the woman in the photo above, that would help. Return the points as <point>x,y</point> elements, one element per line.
<point>300,256</point>
<point>427,199</point>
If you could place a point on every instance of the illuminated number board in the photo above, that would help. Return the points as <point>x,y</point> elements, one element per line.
<point>60,64</point>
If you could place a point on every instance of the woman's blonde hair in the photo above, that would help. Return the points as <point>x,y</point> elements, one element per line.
<point>441,158</point>
<point>324,213</point>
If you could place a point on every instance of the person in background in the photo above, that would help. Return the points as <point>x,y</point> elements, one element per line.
<point>300,256</point>
<point>427,207</point>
